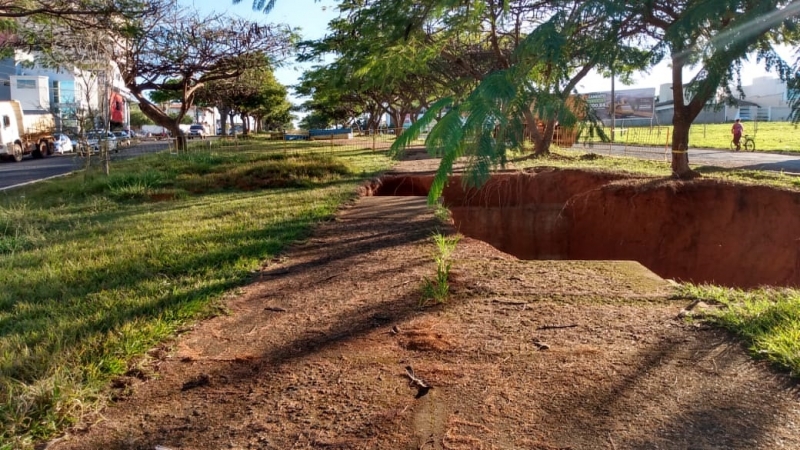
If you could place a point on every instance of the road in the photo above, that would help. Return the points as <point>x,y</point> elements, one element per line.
<point>787,163</point>
<point>13,174</point>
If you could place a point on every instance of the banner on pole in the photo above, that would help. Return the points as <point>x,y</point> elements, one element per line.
<point>629,103</point>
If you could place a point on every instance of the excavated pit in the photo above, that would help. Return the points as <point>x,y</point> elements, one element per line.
<point>701,231</point>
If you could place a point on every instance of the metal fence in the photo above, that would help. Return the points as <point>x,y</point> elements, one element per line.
<point>651,142</point>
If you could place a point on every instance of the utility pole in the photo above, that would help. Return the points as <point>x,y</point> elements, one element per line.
<point>613,107</point>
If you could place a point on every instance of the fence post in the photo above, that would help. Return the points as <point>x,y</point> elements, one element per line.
<point>666,146</point>
<point>374,136</point>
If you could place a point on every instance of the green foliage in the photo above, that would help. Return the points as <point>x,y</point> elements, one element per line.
<point>438,289</point>
<point>768,320</point>
<point>171,92</point>
<point>315,121</point>
<point>104,267</point>
<point>138,119</point>
<point>261,5</point>
<point>508,107</point>
<point>255,92</point>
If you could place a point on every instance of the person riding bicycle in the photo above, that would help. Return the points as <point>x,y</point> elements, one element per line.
<point>737,131</point>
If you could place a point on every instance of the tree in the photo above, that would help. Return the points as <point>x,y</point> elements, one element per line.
<point>716,37</point>
<point>86,12</point>
<point>315,121</point>
<point>35,24</point>
<point>180,52</point>
<point>334,100</point>
<point>526,100</point>
<point>373,74</point>
<point>255,92</point>
<point>138,119</point>
<point>259,95</point>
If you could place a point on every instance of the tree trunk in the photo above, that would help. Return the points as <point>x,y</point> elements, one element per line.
<point>397,122</point>
<point>541,143</point>
<point>682,119</point>
<point>177,134</point>
<point>542,137</point>
<point>165,121</point>
<point>245,124</point>
<point>224,113</point>
<point>680,149</point>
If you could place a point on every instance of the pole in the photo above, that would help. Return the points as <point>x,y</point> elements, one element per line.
<point>613,107</point>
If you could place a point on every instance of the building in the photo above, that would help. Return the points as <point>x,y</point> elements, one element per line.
<point>71,94</point>
<point>772,97</point>
<point>202,115</point>
<point>765,100</point>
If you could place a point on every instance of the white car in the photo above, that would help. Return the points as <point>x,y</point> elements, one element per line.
<point>96,140</point>
<point>197,130</point>
<point>62,144</point>
<point>123,138</point>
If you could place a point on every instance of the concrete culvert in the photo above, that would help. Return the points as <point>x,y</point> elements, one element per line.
<point>703,231</point>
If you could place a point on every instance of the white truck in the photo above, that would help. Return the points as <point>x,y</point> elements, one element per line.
<point>22,134</point>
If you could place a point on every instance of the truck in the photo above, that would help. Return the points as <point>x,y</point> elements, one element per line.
<point>155,131</point>
<point>24,134</point>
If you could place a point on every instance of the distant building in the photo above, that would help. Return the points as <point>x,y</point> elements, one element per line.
<point>765,100</point>
<point>70,94</point>
<point>199,114</point>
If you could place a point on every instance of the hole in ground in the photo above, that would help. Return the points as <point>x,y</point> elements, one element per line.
<point>701,231</point>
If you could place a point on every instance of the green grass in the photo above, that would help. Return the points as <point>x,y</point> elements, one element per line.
<point>96,270</point>
<point>768,320</point>
<point>769,136</point>
<point>578,159</point>
<point>438,289</point>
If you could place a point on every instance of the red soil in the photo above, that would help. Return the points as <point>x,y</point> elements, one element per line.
<point>703,231</point>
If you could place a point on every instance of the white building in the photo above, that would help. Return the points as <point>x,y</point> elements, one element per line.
<point>765,100</point>
<point>205,116</point>
<point>70,94</point>
<point>772,97</point>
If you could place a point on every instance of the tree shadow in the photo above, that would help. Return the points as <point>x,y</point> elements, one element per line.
<point>717,400</point>
<point>330,251</point>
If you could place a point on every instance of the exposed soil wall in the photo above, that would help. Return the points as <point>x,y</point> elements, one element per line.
<point>703,231</point>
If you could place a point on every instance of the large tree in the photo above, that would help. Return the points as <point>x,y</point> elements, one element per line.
<point>256,92</point>
<point>716,37</point>
<point>561,44</point>
<point>36,24</point>
<point>179,51</point>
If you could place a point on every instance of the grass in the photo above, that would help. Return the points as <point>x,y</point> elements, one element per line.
<point>96,270</point>
<point>768,320</point>
<point>769,136</point>
<point>438,289</point>
<point>578,159</point>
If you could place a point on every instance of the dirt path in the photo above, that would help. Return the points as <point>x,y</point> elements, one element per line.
<point>528,355</point>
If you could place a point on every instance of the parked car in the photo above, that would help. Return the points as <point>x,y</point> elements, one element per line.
<point>62,143</point>
<point>197,130</point>
<point>97,140</point>
<point>123,138</point>
<point>78,143</point>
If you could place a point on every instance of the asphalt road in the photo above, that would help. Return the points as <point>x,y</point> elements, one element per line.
<point>787,163</point>
<point>29,170</point>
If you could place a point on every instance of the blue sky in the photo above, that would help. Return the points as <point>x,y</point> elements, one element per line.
<point>313,17</point>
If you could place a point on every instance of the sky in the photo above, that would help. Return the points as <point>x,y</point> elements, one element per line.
<point>312,18</point>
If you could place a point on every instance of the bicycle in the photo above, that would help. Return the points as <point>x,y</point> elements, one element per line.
<point>747,142</point>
